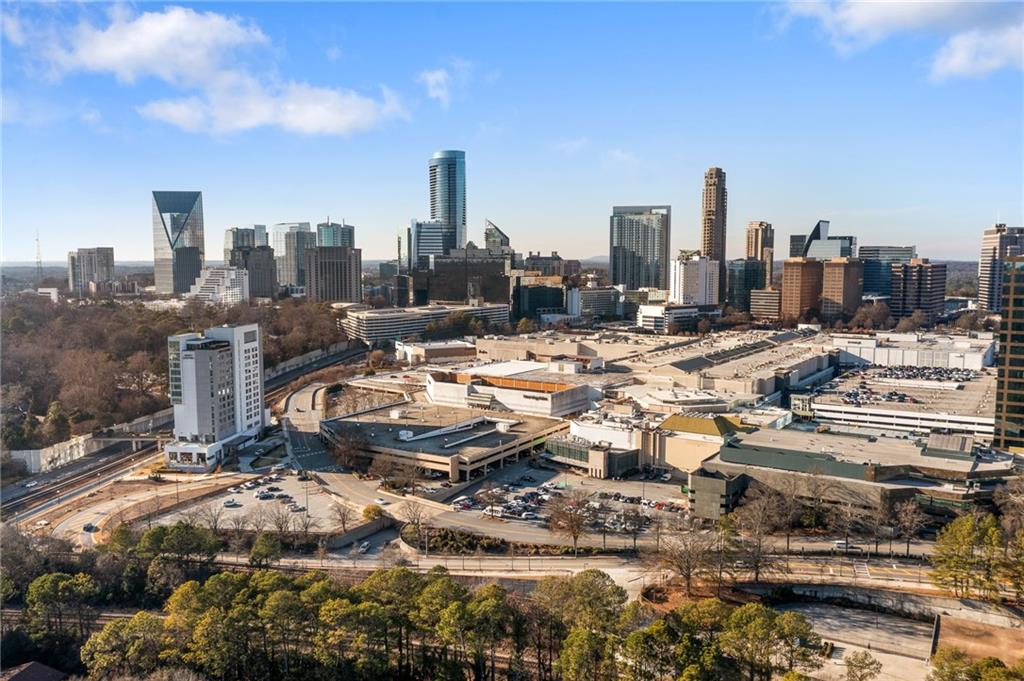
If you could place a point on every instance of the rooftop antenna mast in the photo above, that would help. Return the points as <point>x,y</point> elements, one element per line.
<point>39,261</point>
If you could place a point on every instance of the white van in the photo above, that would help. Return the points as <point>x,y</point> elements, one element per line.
<point>494,512</point>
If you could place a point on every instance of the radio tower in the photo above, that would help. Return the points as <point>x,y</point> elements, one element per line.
<point>39,261</point>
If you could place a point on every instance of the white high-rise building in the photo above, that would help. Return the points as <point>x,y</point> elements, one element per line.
<point>216,389</point>
<point>221,286</point>
<point>693,280</point>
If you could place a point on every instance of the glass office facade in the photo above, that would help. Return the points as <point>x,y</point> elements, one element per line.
<point>178,248</point>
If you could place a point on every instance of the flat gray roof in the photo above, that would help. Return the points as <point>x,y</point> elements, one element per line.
<point>381,428</point>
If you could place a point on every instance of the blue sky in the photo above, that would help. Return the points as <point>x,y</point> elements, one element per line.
<point>900,123</point>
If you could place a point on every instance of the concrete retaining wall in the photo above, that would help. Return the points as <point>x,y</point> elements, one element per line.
<point>297,362</point>
<point>360,532</point>
<point>918,606</point>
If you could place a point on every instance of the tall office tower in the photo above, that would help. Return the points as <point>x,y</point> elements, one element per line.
<point>221,286</point>
<point>495,239</point>
<point>878,262</point>
<point>1009,430</point>
<point>278,233</point>
<point>745,276</point>
<point>713,207</point>
<point>447,171</point>
<point>295,246</point>
<point>216,389</point>
<point>334,274</point>
<point>425,238</point>
<point>261,234</point>
<point>332,234</point>
<point>820,246</point>
<point>842,288</point>
<point>997,244</point>
<point>259,263</point>
<point>89,266</point>
<point>918,285</point>
<point>238,237</point>
<point>639,246</point>
<point>178,248</point>
<point>761,245</point>
<point>693,280</point>
<point>801,288</point>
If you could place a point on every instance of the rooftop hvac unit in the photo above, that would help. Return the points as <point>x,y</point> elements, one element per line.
<point>405,435</point>
<point>502,427</point>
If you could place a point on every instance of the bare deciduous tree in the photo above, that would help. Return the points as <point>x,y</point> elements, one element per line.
<point>258,520</point>
<point>570,515</point>
<point>280,518</point>
<point>687,550</point>
<point>211,515</point>
<point>1010,500</point>
<point>343,515</point>
<point>757,519</point>
<point>846,519</point>
<point>633,524</point>
<point>817,489</point>
<point>788,505</point>
<point>910,520</point>
<point>383,467</point>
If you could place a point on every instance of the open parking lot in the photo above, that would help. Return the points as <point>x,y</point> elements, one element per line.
<point>274,492</point>
<point>524,494</point>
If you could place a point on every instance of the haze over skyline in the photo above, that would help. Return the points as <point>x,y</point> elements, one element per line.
<point>899,123</point>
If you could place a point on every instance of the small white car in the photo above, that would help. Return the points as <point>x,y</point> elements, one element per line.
<point>231,503</point>
<point>381,501</point>
<point>364,547</point>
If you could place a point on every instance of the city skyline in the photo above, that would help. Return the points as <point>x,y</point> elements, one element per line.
<point>95,120</point>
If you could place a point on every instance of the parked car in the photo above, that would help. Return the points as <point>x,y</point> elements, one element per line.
<point>841,545</point>
<point>296,508</point>
<point>529,515</point>
<point>364,547</point>
<point>231,503</point>
<point>381,501</point>
<point>278,467</point>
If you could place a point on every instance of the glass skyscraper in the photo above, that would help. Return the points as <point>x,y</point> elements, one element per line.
<point>878,262</point>
<point>639,245</point>
<point>448,195</point>
<point>178,249</point>
<point>333,234</point>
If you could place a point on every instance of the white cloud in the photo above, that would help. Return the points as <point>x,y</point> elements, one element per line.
<point>178,45</point>
<point>439,85</point>
<point>977,53</point>
<point>980,37</point>
<point>571,147</point>
<point>12,28</point>
<point>189,113</point>
<point>621,159</point>
<point>453,77</point>
<point>202,55</point>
